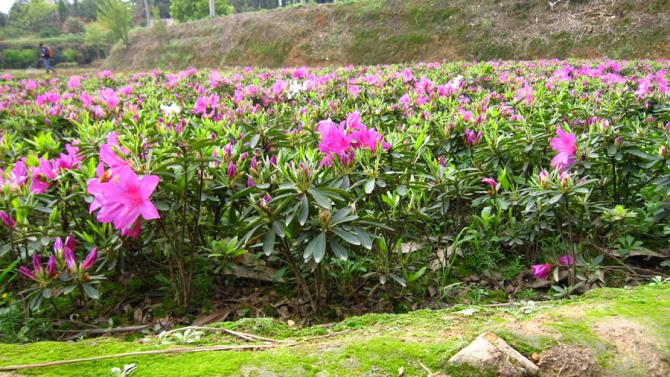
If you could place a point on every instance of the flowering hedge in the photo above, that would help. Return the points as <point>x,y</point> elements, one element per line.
<point>327,175</point>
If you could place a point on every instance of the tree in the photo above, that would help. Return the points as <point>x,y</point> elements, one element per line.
<point>62,10</point>
<point>116,16</point>
<point>73,26</point>
<point>147,11</point>
<point>89,9</point>
<point>186,10</point>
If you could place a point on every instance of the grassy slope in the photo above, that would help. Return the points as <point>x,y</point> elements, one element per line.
<point>372,32</point>
<point>379,344</point>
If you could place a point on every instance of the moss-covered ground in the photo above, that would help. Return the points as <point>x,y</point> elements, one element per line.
<point>377,344</point>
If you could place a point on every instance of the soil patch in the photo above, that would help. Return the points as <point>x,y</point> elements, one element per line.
<point>635,346</point>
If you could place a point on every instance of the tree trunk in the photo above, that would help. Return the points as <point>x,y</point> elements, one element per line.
<point>147,11</point>
<point>212,11</point>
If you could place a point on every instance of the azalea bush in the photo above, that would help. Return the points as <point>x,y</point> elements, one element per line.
<point>390,180</point>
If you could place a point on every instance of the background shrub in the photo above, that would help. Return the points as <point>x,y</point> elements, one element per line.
<point>20,58</point>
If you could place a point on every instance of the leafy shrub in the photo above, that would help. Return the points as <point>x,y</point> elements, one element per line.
<point>73,25</point>
<point>71,55</point>
<point>336,182</point>
<point>20,58</point>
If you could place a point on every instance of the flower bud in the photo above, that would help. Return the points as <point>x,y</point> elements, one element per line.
<point>90,260</point>
<point>565,180</point>
<point>7,220</point>
<point>325,216</point>
<point>663,152</point>
<point>543,179</point>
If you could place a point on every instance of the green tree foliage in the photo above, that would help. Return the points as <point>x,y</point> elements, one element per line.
<point>73,26</point>
<point>97,35</point>
<point>63,10</point>
<point>116,15</point>
<point>19,58</point>
<point>89,9</point>
<point>35,16</point>
<point>188,10</point>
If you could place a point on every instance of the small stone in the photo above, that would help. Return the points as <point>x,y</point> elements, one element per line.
<point>491,353</point>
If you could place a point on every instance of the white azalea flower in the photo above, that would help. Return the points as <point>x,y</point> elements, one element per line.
<point>170,110</point>
<point>295,88</point>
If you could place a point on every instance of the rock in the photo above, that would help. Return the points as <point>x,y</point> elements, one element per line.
<point>491,353</point>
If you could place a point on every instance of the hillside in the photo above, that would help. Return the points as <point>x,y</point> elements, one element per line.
<point>372,32</point>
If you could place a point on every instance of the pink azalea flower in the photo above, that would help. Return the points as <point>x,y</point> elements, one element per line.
<point>541,271</point>
<point>471,138</point>
<point>125,199</point>
<point>566,260</point>
<point>134,231</point>
<point>73,82</point>
<point>108,97</point>
<point>366,138</point>
<point>68,255</point>
<point>86,100</point>
<point>109,157</point>
<point>279,87</point>
<point>58,245</point>
<point>37,263</point>
<point>70,160</point>
<point>566,147</point>
<point>7,220</point>
<point>334,140</point>
<point>491,182</point>
<point>30,85</point>
<point>90,260</point>
<point>41,175</point>
<point>38,186</point>
<point>354,91</point>
<point>232,169</point>
<point>16,177</point>
<point>27,273</point>
<point>52,266</point>
<point>70,242</point>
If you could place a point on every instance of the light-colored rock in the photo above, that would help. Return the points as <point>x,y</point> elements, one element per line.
<point>490,352</point>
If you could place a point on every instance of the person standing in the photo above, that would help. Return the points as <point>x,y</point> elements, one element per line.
<point>46,53</point>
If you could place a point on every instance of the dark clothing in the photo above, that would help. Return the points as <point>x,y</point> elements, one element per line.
<point>44,54</point>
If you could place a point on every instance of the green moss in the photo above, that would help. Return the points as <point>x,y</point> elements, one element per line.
<point>374,344</point>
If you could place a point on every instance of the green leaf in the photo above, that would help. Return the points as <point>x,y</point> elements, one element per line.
<point>369,186</point>
<point>279,228</point>
<point>321,199</point>
<point>398,280</point>
<point>346,236</point>
<point>555,199</point>
<point>162,206</point>
<point>254,140</point>
<point>90,291</point>
<point>304,210</point>
<point>269,242</point>
<point>338,250</point>
<point>316,249</point>
<point>417,274</point>
<point>364,237</point>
